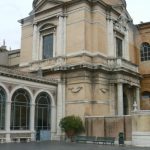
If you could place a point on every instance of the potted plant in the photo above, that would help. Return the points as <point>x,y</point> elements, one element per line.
<point>72,125</point>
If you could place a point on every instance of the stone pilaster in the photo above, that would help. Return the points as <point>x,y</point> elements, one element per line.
<point>34,49</point>
<point>110,39</point>
<point>138,97</point>
<point>61,35</point>
<point>60,104</point>
<point>32,121</point>
<point>120,98</point>
<point>7,121</point>
<point>53,122</point>
<point>112,99</point>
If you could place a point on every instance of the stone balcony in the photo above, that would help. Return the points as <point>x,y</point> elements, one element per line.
<point>119,63</point>
<point>85,60</point>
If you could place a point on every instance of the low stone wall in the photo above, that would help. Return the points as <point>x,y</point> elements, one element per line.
<point>109,126</point>
<point>136,128</point>
<point>141,129</point>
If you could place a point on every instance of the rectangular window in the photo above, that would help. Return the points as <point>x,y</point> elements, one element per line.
<point>48,46</point>
<point>118,47</point>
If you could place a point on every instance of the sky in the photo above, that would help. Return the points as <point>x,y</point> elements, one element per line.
<point>13,10</point>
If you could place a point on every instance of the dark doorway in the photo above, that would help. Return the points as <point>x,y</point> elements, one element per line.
<point>125,105</point>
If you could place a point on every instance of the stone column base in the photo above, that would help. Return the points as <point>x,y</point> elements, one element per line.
<point>8,140</point>
<point>141,139</point>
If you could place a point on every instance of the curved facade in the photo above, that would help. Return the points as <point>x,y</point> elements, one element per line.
<point>93,50</point>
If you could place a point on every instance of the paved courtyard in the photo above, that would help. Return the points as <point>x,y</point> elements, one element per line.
<point>64,146</point>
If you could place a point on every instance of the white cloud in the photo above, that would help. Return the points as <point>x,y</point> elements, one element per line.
<point>11,11</point>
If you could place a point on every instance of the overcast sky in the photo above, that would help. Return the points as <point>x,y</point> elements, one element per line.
<point>13,10</point>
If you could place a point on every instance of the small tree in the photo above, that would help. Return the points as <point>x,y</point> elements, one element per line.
<point>72,125</point>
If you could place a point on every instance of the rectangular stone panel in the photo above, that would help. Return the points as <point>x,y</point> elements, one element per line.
<point>113,125</point>
<point>94,126</point>
<point>128,128</point>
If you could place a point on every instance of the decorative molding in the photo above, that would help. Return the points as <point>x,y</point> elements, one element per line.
<point>104,90</point>
<point>105,102</point>
<point>53,93</point>
<point>75,89</point>
<point>9,88</point>
<point>141,139</point>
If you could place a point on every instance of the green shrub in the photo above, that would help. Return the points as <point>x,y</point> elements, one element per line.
<point>72,125</point>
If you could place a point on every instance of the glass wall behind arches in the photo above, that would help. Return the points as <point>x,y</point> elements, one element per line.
<point>43,111</point>
<point>20,110</point>
<point>3,98</point>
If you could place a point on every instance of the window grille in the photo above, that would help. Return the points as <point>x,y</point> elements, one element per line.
<point>2,108</point>
<point>43,112</point>
<point>20,110</point>
<point>145,52</point>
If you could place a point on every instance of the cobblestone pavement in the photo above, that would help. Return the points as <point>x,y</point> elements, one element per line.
<point>64,146</point>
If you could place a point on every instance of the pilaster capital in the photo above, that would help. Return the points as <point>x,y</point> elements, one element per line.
<point>109,17</point>
<point>8,102</point>
<point>35,24</point>
<point>53,106</point>
<point>32,105</point>
<point>63,15</point>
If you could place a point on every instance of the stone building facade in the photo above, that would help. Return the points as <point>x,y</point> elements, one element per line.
<point>94,51</point>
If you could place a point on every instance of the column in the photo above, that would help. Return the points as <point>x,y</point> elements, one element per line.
<point>120,98</point>
<point>7,120</point>
<point>34,49</point>
<point>32,120</point>
<point>60,109</point>
<point>138,97</point>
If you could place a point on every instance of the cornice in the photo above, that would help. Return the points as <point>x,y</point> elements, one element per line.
<point>25,76</point>
<point>52,1</point>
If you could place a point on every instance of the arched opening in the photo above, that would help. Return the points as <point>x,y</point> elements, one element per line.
<point>47,43</point>
<point>145,102</point>
<point>2,108</point>
<point>43,112</point>
<point>20,110</point>
<point>125,105</point>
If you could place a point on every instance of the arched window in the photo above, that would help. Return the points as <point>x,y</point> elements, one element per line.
<point>145,52</point>
<point>43,112</point>
<point>145,103</point>
<point>20,110</point>
<point>46,32</point>
<point>2,108</point>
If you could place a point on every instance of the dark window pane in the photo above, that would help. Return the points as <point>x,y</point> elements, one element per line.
<point>20,110</point>
<point>145,95</point>
<point>48,46</point>
<point>145,54</point>
<point>43,112</point>
<point>2,108</point>
<point>119,47</point>
<point>145,49</point>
